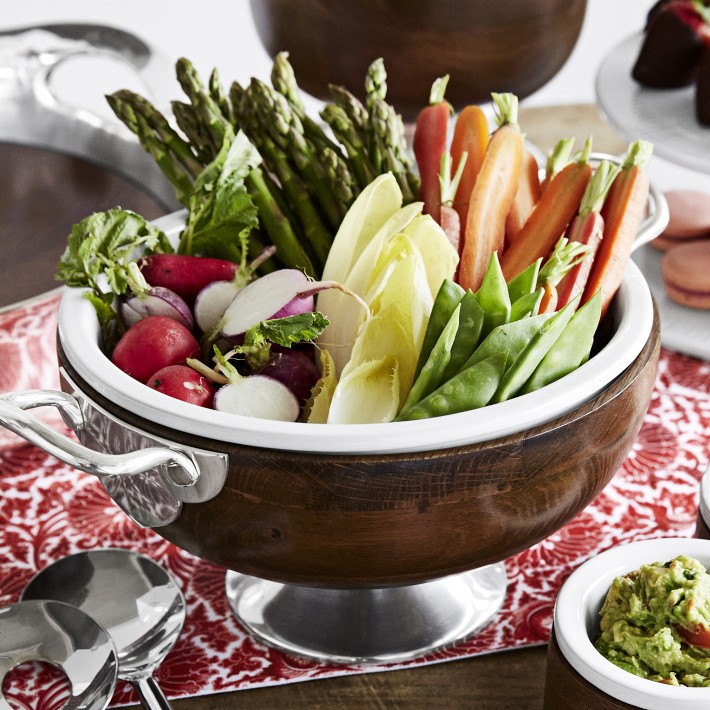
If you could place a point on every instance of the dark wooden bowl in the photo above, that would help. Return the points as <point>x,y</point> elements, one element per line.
<point>484,46</point>
<point>378,520</point>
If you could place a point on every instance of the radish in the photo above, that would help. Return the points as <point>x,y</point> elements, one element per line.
<point>184,383</point>
<point>149,300</point>
<point>282,293</point>
<point>151,344</point>
<point>251,395</point>
<point>212,300</point>
<point>186,275</point>
<point>294,369</point>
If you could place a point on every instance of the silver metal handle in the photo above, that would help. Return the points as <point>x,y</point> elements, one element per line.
<point>150,694</point>
<point>182,468</point>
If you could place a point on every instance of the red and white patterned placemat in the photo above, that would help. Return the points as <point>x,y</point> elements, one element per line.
<point>48,510</point>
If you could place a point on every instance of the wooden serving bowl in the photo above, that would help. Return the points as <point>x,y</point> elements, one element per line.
<point>484,46</point>
<point>348,521</point>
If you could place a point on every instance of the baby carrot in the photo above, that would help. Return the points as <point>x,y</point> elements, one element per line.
<point>526,197</point>
<point>493,194</point>
<point>548,221</point>
<point>587,228</point>
<point>622,213</point>
<point>429,144</point>
<point>471,136</point>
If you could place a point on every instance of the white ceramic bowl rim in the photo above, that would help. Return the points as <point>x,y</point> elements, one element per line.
<point>78,334</point>
<point>576,613</point>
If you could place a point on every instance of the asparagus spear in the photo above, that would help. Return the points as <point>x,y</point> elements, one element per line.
<point>189,123</point>
<point>220,96</point>
<point>171,152</point>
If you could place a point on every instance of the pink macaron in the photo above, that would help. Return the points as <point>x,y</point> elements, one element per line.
<point>686,274</point>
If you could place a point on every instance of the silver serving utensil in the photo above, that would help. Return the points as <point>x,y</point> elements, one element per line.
<point>137,601</point>
<point>65,637</point>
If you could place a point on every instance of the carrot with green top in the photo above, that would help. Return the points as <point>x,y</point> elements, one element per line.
<point>449,219</point>
<point>622,212</point>
<point>429,145</point>
<point>471,136</point>
<point>558,158</point>
<point>493,194</point>
<point>587,228</point>
<point>553,212</point>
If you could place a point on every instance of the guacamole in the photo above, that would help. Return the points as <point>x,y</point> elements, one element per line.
<point>655,623</point>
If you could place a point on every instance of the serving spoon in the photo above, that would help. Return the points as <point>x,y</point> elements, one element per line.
<point>134,599</point>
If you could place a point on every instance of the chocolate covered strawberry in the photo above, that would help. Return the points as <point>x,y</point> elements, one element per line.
<point>673,44</point>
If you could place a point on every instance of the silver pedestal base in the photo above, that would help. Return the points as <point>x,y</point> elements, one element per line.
<point>352,626</point>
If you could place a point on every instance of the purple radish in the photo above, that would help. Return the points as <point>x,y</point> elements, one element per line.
<point>249,396</point>
<point>157,301</point>
<point>294,369</point>
<point>149,300</point>
<point>282,293</point>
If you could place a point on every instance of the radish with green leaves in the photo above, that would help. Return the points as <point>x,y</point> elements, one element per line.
<point>151,344</point>
<point>184,383</point>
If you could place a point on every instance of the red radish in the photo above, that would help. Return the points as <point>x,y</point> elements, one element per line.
<point>294,369</point>
<point>184,383</point>
<point>429,145</point>
<point>185,274</point>
<point>151,344</point>
<point>587,228</point>
<point>281,293</point>
<point>249,396</point>
<point>149,300</point>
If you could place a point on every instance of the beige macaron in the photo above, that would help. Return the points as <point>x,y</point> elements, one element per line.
<point>686,274</point>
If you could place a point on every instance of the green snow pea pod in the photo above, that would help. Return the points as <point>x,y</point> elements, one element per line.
<point>510,338</point>
<point>470,389</point>
<point>571,349</point>
<point>528,360</point>
<point>430,376</point>
<point>526,305</point>
<point>493,297</point>
<point>525,282</point>
<point>447,298</point>
<point>467,336</point>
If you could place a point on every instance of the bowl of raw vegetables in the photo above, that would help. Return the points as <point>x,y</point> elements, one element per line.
<point>406,390</point>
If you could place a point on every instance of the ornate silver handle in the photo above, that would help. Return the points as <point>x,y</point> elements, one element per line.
<point>182,468</point>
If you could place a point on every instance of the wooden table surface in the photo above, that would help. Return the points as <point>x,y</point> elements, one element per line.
<point>510,680</point>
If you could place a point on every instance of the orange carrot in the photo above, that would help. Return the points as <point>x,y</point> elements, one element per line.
<point>429,144</point>
<point>526,197</point>
<point>587,228</point>
<point>471,136</point>
<point>449,219</point>
<point>548,303</point>
<point>623,211</point>
<point>548,221</point>
<point>493,194</point>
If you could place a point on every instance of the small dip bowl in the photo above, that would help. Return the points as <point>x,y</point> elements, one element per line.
<point>578,676</point>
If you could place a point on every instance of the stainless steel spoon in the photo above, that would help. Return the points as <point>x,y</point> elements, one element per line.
<point>65,637</point>
<point>138,603</point>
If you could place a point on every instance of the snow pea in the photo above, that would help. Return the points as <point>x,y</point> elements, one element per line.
<point>509,337</point>
<point>527,361</point>
<point>447,298</point>
<point>526,305</point>
<point>571,349</point>
<point>430,376</point>
<point>493,297</point>
<point>525,282</point>
<point>470,389</point>
<point>468,334</point>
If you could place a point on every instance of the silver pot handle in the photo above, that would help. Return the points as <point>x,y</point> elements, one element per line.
<point>182,468</point>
